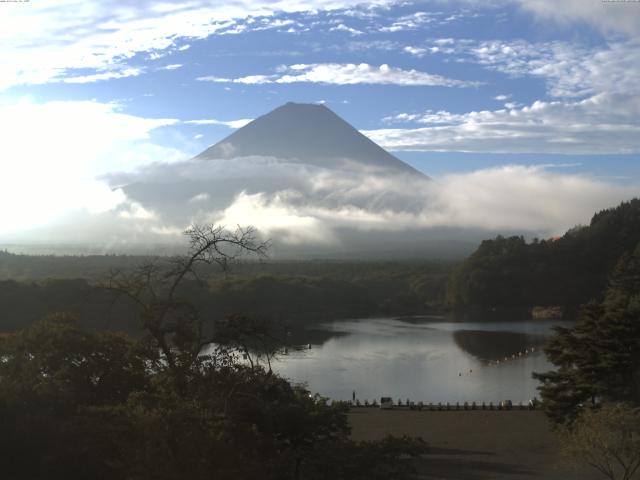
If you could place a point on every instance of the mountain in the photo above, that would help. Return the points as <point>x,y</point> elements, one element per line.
<point>305,179</point>
<point>301,154</point>
<point>306,133</point>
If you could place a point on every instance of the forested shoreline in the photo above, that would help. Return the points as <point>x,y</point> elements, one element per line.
<point>505,278</point>
<point>298,293</point>
<point>506,274</point>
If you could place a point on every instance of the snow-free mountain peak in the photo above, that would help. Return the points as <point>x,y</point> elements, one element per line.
<point>306,133</point>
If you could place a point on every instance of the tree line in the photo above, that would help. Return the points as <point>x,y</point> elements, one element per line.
<point>81,404</point>
<point>324,294</point>
<point>511,273</point>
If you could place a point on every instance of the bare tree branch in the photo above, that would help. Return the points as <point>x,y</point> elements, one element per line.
<point>154,286</point>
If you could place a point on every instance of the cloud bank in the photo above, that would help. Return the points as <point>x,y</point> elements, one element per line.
<point>609,16</point>
<point>53,42</point>
<point>53,151</point>
<point>602,124</point>
<point>594,106</point>
<point>306,208</point>
<point>346,74</point>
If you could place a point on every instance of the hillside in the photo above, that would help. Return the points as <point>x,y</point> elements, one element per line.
<point>509,273</point>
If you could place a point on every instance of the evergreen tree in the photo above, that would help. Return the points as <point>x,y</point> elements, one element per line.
<point>566,271</point>
<point>599,358</point>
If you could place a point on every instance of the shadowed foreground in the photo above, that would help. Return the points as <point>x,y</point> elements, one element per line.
<point>474,445</point>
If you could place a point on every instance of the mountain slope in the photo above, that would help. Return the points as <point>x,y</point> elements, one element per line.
<point>566,271</point>
<point>306,133</point>
<point>300,153</point>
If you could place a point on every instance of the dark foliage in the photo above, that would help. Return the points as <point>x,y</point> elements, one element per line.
<point>569,271</point>
<point>170,404</point>
<point>598,360</point>
<point>296,294</point>
<point>99,405</point>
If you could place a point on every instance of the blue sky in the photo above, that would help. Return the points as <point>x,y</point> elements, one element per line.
<point>453,88</point>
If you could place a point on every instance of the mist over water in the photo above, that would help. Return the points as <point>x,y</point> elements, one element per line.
<point>430,360</point>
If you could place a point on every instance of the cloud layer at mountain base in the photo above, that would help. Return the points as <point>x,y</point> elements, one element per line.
<point>304,208</point>
<point>531,200</point>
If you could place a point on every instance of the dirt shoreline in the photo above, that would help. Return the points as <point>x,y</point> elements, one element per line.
<point>474,444</point>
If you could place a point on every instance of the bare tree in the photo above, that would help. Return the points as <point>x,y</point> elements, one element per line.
<point>173,324</point>
<point>607,439</point>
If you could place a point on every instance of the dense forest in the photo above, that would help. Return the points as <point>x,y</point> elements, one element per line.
<point>284,292</point>
<point>81,404</point>
<point>510,273</point>
<point>598,359</point>
<point>507,275</point>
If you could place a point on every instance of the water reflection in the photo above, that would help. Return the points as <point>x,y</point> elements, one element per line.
<point>496,346</point>
<point>422,359</point>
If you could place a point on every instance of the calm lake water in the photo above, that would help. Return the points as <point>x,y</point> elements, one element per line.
<point>425,359</point>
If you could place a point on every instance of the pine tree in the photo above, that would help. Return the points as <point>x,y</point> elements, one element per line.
<point>599,358</point>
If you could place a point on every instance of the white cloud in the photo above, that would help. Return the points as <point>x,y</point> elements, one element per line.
<point>609,16</point>
<point>602,124</point>
<point>430,117</point>
<point>248,80</point>
<point>410,22</point>
<point>520,197</point>
<point>110,75</point>
<point>308,206</point>
<point>346,74</point>
<point>534,200</point>
<point>135,211</point>
<point>53,152</point>
<point>45,42</point>
<point>529,199</point>
<point>402,118</point>
<point>230,123</point>
<point>274,216</point>
<point>569,70</point>
<point>172,66</point>
<point>361,45</point>
<point>200,197</point>
<point>415,51</point>
<point>252,24</point>
<point>422,20</point>
<point>343,28</point>
<point>597,111</point>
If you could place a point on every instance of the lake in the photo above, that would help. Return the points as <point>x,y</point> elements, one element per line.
<point>423,359</point>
